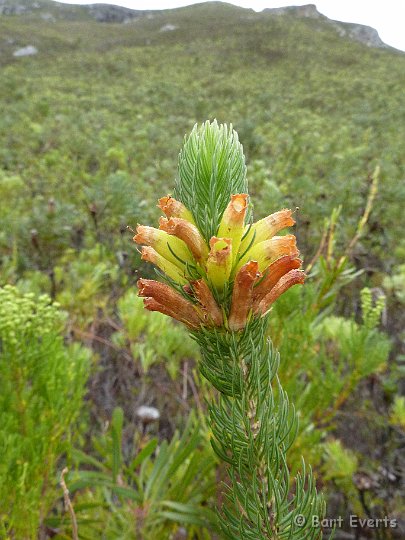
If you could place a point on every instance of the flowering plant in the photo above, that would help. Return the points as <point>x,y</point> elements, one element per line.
<point>261,265</point>
<point>221,272</point>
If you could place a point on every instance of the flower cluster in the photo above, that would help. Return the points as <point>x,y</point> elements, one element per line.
<point>250,259</point>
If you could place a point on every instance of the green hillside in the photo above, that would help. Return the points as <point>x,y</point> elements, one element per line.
<point>315,112</point>
<point>90,131</point>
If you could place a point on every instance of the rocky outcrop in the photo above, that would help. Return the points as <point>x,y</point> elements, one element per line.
<point>49,10</point>
<point>112,14</point>
<point>358,32</point>
<point>309,11</point>
<point>8,7</point>
<point>364,34</point>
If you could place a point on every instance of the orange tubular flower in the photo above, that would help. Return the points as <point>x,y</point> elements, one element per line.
<point>267,227</point>
<point>187,232</point>
<point>233,221</point>
<point>273,273</point>
<point>151,255</point>
<point>153,305</point>
<point>293,277</point>
<point>170,247</point>
<point>179,249</point>
<point>219,262</point>
<point>160,297</point>
<point>205,298</point>
<point>172,208</point>
<point>270,250</point>
<point>242,295</point>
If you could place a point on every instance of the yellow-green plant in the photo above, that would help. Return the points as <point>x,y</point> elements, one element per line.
<point>149,494</point>
<point>397,417</point>
<point>152,338</point>
<point>42,387</point>
<point>84,282</point>
<point>221,273</point>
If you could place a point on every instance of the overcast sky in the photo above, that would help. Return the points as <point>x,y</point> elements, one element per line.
<point>386,16</point>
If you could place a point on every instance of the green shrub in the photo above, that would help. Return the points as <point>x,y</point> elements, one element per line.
<point>152,337</point>
<point>42,390</point>
<point>151,492</point>
<point>84,282</point>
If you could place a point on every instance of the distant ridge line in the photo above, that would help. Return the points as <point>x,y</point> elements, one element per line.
<point>110,13</point>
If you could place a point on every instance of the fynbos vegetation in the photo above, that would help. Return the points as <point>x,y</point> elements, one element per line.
<point>194,426</point>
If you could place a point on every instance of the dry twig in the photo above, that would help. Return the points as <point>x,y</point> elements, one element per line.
<point>68,504</point>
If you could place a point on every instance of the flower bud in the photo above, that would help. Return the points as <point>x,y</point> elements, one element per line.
<point>293,277</point>
<point>219,262</point>
<point>161,297</point>
<point>267,227</point>
<point>151,255</point>
<point>273,273</point>
<point>268,251</point>
<point>172,208</point>
<point>170,247</point>
<point>242,295</point>
<point>187,232</point>
<point>204,296</point>
<point>233,221</point>
<point>153,305</point>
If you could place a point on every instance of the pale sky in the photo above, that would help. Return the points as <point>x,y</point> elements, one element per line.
<point>386,16</point>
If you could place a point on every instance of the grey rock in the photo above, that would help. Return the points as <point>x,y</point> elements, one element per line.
<point>308,10</point>
<point>358,32</point>
<point>29,50</point>
<point>112,14</point>
<point>365,34</point>
<point>48,17</point>
<point>15,7</point>
<point>168,28</point>
<point>147,414</point>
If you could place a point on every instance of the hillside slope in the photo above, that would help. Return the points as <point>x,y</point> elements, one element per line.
<point>316,110</point>
<point>47,13</point>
